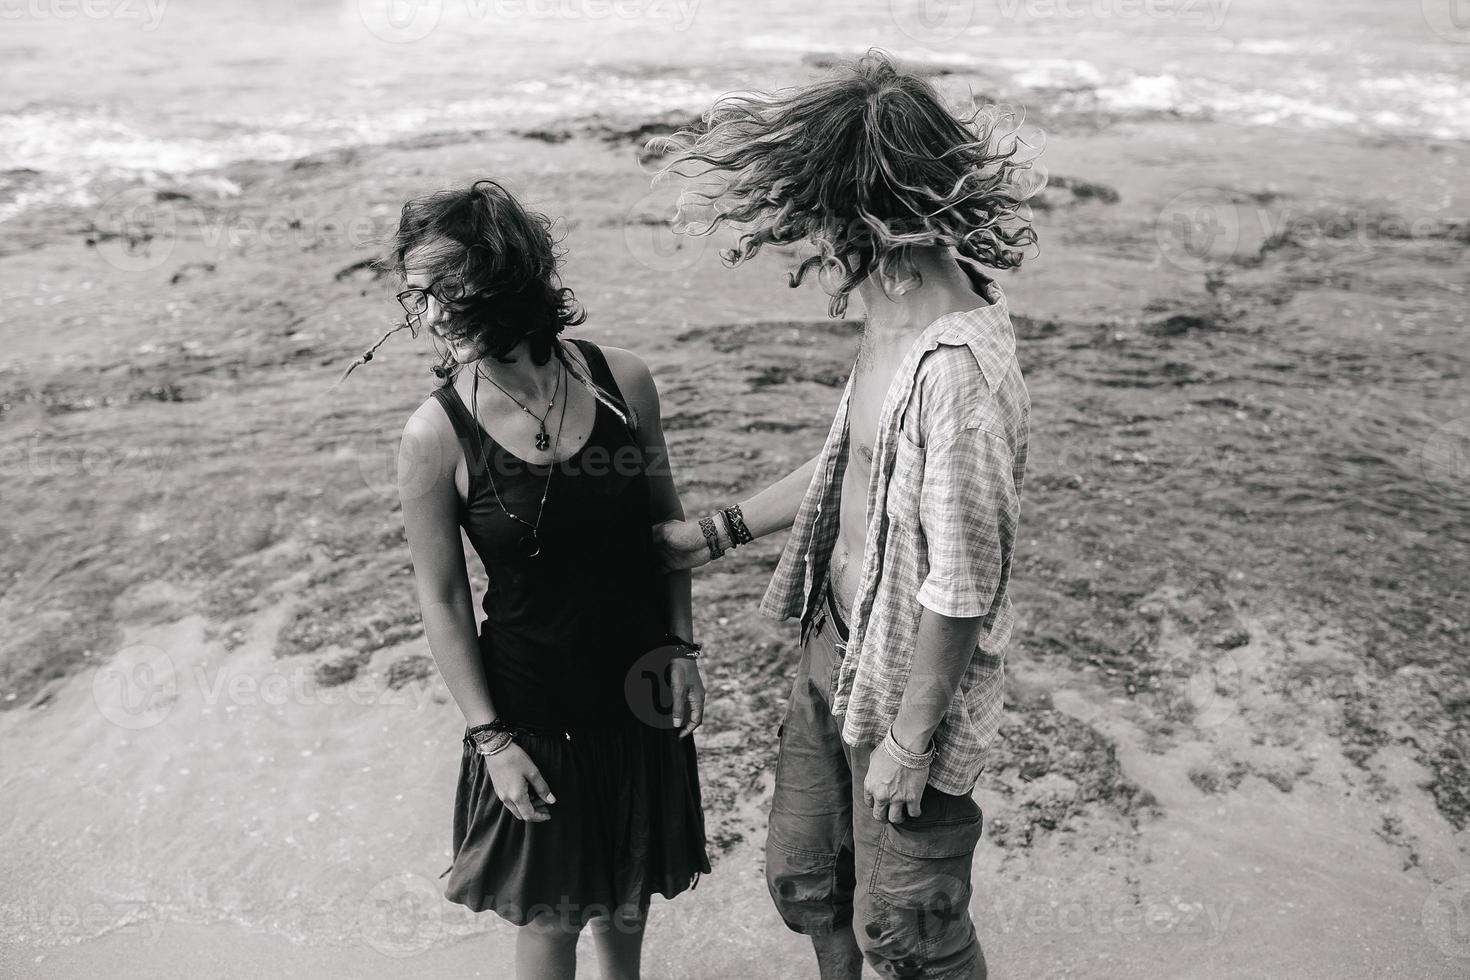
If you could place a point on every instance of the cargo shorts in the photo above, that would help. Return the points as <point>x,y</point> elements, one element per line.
<point>903,888</point>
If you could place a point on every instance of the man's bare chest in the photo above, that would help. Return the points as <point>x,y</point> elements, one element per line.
<point>872,377</point>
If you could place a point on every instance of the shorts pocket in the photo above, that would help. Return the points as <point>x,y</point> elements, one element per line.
<point>925,864</point>
<point>802,885</point>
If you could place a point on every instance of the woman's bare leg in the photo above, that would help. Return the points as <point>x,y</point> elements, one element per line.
<point>619,940</point>
<point>546,949</point>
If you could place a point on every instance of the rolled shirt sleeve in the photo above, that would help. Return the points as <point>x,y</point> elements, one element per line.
<point>968,510</point>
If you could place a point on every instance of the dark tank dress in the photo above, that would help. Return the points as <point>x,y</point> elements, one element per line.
<point>560,634</point>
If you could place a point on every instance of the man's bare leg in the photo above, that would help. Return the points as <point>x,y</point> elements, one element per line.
<point>838,956</point>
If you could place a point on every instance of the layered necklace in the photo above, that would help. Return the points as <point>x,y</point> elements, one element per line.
<point>530,543</point>
<point>543,440</point>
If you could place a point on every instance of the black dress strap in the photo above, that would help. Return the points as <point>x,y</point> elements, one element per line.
<point>465,427</point>
<point>598,366</point>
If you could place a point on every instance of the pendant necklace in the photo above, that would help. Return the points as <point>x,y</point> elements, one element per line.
<point>530,544</point>
<point>543,440</point>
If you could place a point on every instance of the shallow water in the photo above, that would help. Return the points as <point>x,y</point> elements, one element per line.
<point>142,88</point>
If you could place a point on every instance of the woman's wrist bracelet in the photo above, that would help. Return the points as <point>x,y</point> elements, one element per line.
<point>688,649</point>
<point>490,739</point>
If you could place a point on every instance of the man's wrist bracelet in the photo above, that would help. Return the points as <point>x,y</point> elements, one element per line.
<point>735,521</point>
<point>903,756</point>
<point>711,537</point>
<point>729,529</point>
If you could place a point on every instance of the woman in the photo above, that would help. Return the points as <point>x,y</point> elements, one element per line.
<point>577,799</point>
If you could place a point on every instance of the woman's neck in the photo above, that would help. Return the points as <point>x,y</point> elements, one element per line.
<point>519,374</point>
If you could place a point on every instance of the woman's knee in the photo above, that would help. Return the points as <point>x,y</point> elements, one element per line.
<point>624,920</point>
<point>548,926</point>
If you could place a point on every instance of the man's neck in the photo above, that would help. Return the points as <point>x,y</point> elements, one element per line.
<point>944,288</point>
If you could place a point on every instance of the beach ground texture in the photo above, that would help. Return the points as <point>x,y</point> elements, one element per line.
<point>1234,742</point>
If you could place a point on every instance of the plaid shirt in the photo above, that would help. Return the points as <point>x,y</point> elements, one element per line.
<point>943,507</point>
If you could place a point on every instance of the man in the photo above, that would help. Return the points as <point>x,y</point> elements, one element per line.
<point>899,560</point>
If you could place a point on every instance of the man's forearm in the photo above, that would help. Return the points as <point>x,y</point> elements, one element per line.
<point>774,508</point>
<point>942,652</point>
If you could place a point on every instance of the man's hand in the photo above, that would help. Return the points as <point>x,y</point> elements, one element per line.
<point>892,790</point>
<point>679,545</point>
<point>688,695</point>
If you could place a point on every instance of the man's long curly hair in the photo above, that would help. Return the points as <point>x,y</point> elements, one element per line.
<point>865,165</point>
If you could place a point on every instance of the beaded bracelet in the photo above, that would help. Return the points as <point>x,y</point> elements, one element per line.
<point>711,537</point>
<point>905,758</point>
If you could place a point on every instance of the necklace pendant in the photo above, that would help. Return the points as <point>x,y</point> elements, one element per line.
<point>531,545</point>
<point>543,441</point>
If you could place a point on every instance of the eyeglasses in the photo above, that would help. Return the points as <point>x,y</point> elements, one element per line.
<point>415,300</point>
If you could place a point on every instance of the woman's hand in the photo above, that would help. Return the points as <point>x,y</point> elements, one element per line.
<point>688,695</point>
<point>680,545</point>
<point>519,785</point>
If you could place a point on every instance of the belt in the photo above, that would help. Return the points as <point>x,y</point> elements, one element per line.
<point>834,613</point>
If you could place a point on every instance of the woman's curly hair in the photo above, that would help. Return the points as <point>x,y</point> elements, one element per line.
<point>865,164</point>
<point>495,269</point>
<point>499,264</point>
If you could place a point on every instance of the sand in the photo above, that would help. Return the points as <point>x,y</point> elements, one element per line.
<point>1234,741</point>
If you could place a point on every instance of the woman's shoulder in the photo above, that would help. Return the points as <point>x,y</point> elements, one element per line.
<point>432,421</point>
<point>632,378</point>
<point>628,368</point>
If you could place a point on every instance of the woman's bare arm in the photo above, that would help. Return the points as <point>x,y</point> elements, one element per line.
<point>637,385</point>
<point>427,457</point>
